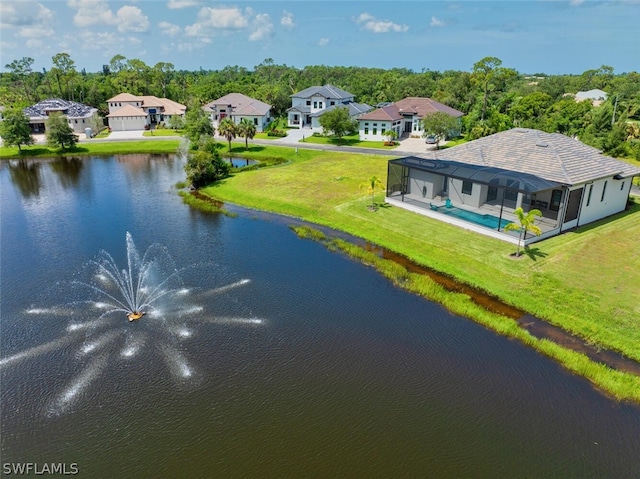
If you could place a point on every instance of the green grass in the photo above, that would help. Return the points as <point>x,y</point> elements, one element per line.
<point>585,281</point>
<point>349,140</point>
<point>162,132</point>
<point>97,148</point>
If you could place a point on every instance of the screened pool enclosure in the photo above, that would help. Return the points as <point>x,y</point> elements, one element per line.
<point>480,198</point>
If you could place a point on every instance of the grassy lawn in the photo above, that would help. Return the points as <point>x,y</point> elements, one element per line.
<point>349,140</point>
<point>264,136</point>
<point>162,132</point>
<point>106,148</point>
<point>585,281</point>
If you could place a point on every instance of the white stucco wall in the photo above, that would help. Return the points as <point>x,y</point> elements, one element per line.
<point>614,200</point>
<point>379,126</point>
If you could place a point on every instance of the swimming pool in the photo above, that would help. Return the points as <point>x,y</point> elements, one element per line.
<point>488,221</point>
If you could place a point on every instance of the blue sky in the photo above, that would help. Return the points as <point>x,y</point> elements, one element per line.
<point>541,36</point>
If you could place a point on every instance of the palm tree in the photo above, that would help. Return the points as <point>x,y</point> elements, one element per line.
<point>526,224</point>
<point>390,135</point>
<point>247,129</point>
<point>371,184</point>
<point>228,129</point>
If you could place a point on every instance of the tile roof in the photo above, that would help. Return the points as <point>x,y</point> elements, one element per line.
<point>552,156</point>
<point>326,91</point>
<point>124,97</point>
<point>241,105</point>
<point>170,107</point>
<point>424,106</point>
<point>71,109</point>
<point>355,109</point>
<point>386,113</point>
<point>127,110</point>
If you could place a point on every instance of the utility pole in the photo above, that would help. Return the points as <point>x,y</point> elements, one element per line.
<point>615,107</point>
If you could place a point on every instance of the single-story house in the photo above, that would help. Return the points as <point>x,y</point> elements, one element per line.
<point>129,112</point>
<point>238,107</point>
<point>478,185</point>
<point>404,117</point>
<point>596,97</point>
<point>79,116</point>
<point>308,105</point>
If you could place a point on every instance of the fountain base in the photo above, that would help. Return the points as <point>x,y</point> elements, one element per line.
<point>135,315</point>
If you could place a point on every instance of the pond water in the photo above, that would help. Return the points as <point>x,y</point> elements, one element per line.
<point>238,162</point>
<point>268,356</point>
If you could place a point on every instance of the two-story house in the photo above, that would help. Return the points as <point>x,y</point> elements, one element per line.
<point>79,116</point>
<point>308,105</point>
<point>129,112</point>
<point>238,107</point>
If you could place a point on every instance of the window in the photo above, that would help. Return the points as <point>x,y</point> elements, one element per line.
<point>604,190</point>
<point>320,105</point>
<point>333,103</point>
<point>375,130</point>
<point>74,120</point>
<point>255,121</point>
<point>315,104</point>
<point>366,130</point>
<point>382,131</point>
<point>308,102</point>
<point>467,187</point>
<point>589,194</point>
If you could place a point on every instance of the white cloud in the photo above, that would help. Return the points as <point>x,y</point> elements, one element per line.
<point>212,19</point>
<point>31,19</point>
<point>436,22</point>
<point>169,29</point>
<point>131,19</point>
<point>92,12</point>
<point>35,43</point>
<point>575,3</point>
<point>372,24</point>
<point>262,27</point>
<point>323,42</point>
<point>287,20</point>
<point>176,4</point>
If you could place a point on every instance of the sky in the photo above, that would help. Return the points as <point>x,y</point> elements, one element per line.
<point>532,36</point>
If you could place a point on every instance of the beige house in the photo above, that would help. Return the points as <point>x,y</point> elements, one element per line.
<point>129,112</point>
<point>238,107</point>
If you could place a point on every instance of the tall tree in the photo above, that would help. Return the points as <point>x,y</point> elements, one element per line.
<point>489,76</point>
<point>197,124</point>
<point>228,129</point>
<point>63,70</point>
<point>372,185</point>
<point>14,129</point>
<point>246,129</point>
<point>59,133</point>
<point>22,70</point>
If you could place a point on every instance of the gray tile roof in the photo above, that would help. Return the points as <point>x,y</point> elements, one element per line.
<point>326,91</point>
<point>552,156</point>
<point>241,105</point>
<point>71,109</point>
<point>355,109</point>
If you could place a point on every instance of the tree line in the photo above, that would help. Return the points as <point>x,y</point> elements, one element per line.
<point>492,96</point>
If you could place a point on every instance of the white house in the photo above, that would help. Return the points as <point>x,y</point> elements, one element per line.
<point>309,104</point>
<point>477,185</point>
<point>596,97</point>
<point>238,107</point>
<point>129,112</point>
<point>404,117</point>
<point>79,116</point>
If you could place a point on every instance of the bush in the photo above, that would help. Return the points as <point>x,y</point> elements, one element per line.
<point>205,167</point>
<point>278,133</point>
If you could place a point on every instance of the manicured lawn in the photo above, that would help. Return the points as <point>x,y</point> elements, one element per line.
<point>91,148</point>
<point>585,281</point>
<point>162,132</point>
<point>350,140</point>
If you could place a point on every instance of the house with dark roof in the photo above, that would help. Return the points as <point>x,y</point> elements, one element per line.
<point>79,116</point>
<point>404,117</point>
<point>478,185</point>
<point>129,112</point>
<point>238,107</point>
<point>308,105</point>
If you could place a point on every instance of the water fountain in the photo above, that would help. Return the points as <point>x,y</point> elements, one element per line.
<point>110,299</point>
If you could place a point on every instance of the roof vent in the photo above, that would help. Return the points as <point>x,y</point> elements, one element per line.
<point>542,145</point>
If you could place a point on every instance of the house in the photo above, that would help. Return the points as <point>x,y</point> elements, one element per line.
<point>596,97</point>
<point>79,116</point>
<point>308,105</point>
<point>129,112</point>
<point>404,117</point>
<point>478,185</point>
<point>238,107</point>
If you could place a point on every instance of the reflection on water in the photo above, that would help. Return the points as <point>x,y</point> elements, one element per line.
<point>347,376</point>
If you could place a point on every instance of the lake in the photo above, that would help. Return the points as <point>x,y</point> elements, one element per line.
<point>270,357</point>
